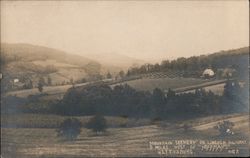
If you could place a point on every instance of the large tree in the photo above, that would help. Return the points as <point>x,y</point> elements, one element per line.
<point>97,124</point>
<point>70,128</point>
<point>41,83</point>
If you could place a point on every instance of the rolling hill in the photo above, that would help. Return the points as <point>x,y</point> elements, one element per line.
<point>24,61</point>
<point>115,61</point>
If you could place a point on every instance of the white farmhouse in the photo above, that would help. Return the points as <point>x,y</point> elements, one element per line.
<point>16,80</point>
<point>208,73</point>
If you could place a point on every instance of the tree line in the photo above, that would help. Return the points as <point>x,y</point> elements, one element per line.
<point>195,65</point>
<point>123,100</point>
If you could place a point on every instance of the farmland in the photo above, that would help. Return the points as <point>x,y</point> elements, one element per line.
<point>144,84</point>
<point>149,84</point>
<point>132,141</point>
<point>53,121</point>
<point>52,90</point>
<point>217,89</point>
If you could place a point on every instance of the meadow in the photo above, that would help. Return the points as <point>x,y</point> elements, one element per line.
<point>115,142</point>
<point>149,84</point>
<point>53,121</point>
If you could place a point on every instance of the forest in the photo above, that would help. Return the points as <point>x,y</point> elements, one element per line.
<point>194,66</point>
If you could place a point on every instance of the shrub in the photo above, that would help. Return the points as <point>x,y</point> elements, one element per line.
<point>187,128</point>
<point>70,128</point>
<point>156,120</point>
<point>225,128</point>
<point>97,124</point>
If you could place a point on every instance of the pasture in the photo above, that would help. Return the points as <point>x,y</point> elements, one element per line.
<point>217,89</point>
<point>149,84</point>
<point>53,121</point>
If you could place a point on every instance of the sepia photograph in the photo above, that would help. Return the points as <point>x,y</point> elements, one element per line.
<point>124,78</point>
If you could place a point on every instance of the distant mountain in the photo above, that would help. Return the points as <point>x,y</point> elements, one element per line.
<point>30,61</point>
<point>29,53</point>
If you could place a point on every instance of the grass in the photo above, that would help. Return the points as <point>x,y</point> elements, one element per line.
<point>125,142</point>
<point>147,84</point>
<point>53,121</point>
<point>39,138</point>
<point>216,89</point>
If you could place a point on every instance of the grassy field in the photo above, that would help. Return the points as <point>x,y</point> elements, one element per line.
<point>148,84</point>
<point>53,121</point>
<point>143,84</point>
<point>133,141</point>
<point>51,90</point>
<point>216,89</point>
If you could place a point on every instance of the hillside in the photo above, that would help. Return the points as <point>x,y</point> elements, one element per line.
<point>115,61</point>
<point>25,61</point>
<point>29,53</point>
<point>237,59</point>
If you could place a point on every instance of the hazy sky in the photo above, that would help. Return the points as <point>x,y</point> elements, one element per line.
<point>145,30</point>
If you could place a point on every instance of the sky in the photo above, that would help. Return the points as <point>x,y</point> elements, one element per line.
<point>147,30</point>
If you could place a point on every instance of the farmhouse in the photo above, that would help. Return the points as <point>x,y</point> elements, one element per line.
<point>16,80</point>
<point>208,73</point>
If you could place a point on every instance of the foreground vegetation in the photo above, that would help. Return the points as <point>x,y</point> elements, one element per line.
<point>123,100</point>
<point>133,141</point>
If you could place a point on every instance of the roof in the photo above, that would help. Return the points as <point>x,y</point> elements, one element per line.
<point>209,72</point>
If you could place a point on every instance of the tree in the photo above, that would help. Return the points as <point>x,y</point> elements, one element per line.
<point>49,81</point>
<point>97,124</point>
<point>83,80</point>
<point>158,100</point>
<point>41,83</point>
<point>28,84</point>
<point>128,73</point>
<point>121,74</point>
<point>231,89</point>
<point>71,81</point>
<point>40,87</point>
<point>187,128</point>
<point>70,128</point>
<point>225,128</point>
<point>41,80</point>
<point>109,76</point>
<point>170,94</point>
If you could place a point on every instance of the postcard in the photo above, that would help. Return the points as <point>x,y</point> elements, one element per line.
<point>132,78</point>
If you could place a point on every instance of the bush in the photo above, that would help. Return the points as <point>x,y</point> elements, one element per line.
<point>156,120</point>
<point>97,124</point>
<point>70,128</point>
<point>225,128</point>
<point>187,128</point>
